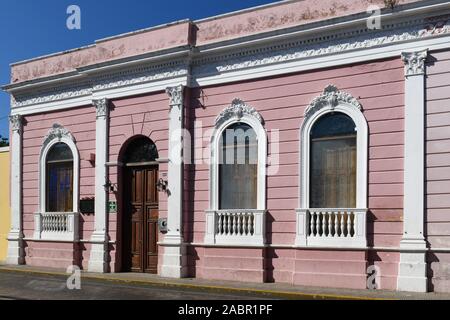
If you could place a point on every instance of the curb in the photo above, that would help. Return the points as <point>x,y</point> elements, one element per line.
<point>220,289</point>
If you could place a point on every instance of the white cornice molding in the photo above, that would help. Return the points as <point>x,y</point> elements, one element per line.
<point>237,110</point>
<point>221,68</point>
<point>322,45</point>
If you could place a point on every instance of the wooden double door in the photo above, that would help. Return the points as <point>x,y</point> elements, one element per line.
<point>140,223</point>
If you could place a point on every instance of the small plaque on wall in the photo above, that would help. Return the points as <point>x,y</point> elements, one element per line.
<point>87,206</point>
<point>112,207</point>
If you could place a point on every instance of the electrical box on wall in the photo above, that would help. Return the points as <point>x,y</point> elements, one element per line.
<point>162,225</point>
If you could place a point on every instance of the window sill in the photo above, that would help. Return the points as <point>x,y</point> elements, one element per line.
<point>56,226</point>
<point>235,227</point>
<point>331,228</point>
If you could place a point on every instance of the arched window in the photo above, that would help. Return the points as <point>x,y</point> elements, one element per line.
<point>333,162</point>
<point>237,207</point>
<point>238,167</point>
<point>333,166</point>
<point>334,152</point>
<point>140,150</point>
<point>59,165</point>
<point>59,179</point>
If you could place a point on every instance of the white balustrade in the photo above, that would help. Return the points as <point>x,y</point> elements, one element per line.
<point>235,227</point>
<point>56,226</point>
<point>331,227</point>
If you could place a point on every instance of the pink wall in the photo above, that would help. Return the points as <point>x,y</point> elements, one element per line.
<point>283,15</point>
<point>379,86</point>
<point>143,115</point>
<point>81,123</point>
<point>438,167</point>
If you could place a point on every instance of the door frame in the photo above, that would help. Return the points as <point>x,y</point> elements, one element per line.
<point>123,180</point>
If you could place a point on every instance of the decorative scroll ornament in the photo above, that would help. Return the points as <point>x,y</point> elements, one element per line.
<point>414,62</point>
<point>331,97</point>
<point>101,106</point>
<point>57,132</point>
<point>16,123</point>
<point>175,95</point>
<point>237,110</point>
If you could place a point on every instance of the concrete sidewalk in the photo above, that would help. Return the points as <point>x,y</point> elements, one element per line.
<point>275,290</point>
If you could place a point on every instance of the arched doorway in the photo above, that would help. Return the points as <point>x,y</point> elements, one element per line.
<point>140,206</point>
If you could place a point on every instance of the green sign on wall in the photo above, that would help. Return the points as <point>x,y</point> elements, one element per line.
<point>112,206</point>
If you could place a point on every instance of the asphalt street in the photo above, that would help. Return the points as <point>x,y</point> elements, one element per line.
<point>24,286</point>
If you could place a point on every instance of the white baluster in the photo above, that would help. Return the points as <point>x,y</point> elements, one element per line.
<point>324,214</point>
<point>311,222</point>
<point>336,224</point>
<point>342,224</point>
<point>318,224</point>
<point>328,223</point>
<point>349,224</point>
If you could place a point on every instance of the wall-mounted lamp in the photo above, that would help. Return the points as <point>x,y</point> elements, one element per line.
<point>110,187</point>
<point>161,185</point>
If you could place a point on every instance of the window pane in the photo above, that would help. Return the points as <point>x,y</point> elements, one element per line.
<point>333,164</point>
<point>141,150</point>
<point>333,124</point>
<point>60,152</point>
<point>238,168</point>
<point>60,187</point>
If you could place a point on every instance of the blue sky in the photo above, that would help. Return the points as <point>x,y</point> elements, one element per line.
<point>33,28</point>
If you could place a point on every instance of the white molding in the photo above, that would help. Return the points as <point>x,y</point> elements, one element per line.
<point>175,256</point>
<point>4,149</point>
<point>98,260</point>
<point>333,100</point>
<point>238,111</point>
<point>16,251</point>
<point>335,48</point>
<point>56,135</point>
<point>412,274</point>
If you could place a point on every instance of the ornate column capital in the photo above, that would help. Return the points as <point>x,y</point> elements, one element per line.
<point>101,106</point>
<point>175,95</point>
<point>414,62</point>
<point>16,122</point>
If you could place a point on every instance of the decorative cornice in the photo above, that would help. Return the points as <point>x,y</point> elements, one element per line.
<point>101,107</point>
<point>414,62</point>
<point>237,110</point>
<point>175,95</point>
<point>16,122</point>
<point>323,45</point>
<point>57,132</point>
<point>331,97</point>
<point>275,53</point>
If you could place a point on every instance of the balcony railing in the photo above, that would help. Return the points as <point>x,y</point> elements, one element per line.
<point>331,227</point>
<point>56,226</point>
<point>235,227</point>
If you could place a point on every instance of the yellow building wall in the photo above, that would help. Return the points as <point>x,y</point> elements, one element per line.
<point>4,203</point>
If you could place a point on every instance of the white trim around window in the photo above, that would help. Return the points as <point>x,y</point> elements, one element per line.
<point>333,100</point>
<point>57,225</point>
<point>238,112</point>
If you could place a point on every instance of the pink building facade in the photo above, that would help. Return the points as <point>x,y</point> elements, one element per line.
<point>116,149</point>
